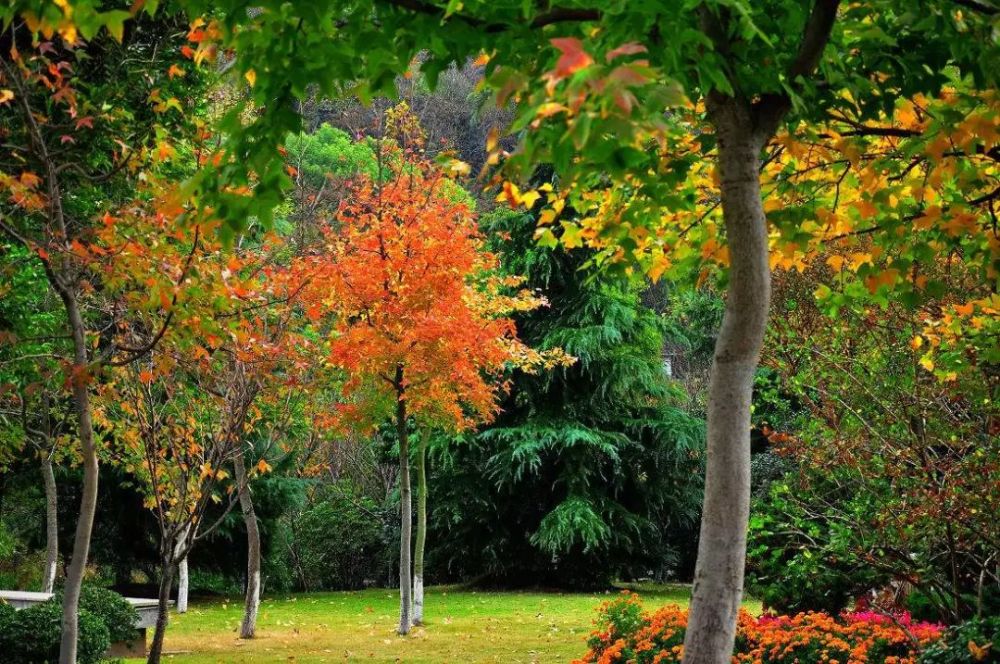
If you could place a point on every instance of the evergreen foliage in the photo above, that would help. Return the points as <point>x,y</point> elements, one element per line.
<point>592,471</point>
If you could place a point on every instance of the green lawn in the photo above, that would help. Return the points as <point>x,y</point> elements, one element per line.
<point>462,626</point>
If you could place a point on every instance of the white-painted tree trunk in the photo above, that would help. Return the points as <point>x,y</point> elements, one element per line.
<point>183,581</point>
<point>51,526</point>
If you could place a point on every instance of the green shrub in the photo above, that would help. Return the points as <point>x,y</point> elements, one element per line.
<point>114,610</point>
<point>211,582</point>
<point>31,636</point>
<point>343,541</point>
<point>798,562</point>
<point>975,641</point>
<point>6,613</point>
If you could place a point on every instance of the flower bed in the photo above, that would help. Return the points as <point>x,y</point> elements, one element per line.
<point>628,634</point>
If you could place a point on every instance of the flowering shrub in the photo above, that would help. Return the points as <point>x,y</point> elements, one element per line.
<point>627,634</point>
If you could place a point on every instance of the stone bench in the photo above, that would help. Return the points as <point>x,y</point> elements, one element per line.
<point>146,608</point>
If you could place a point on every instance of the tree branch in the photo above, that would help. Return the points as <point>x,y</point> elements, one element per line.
<point>771,108</point>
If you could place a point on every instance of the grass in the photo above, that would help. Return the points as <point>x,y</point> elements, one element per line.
<point>462,626</point>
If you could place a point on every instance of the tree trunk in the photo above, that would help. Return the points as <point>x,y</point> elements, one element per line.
<point>51,525</point>
<point>418,556</point>
<point>249,626</point>
<point>88,497</point>
<point>162,610</point>
<point>406,510</point>
<point>183,583</point>
<point>718,582</point>
<point>182,571</point>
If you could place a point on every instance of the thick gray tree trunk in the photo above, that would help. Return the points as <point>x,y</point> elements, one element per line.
<point>88,496</point>
<point>183,582</point>
<point>718,582</point>
<point>252,604</point>
<point>406,511</point>
<point>418,556</point>
<point>51,525</point>
<point>743,127</point>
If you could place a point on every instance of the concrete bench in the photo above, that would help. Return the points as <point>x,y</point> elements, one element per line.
<point>146,608</point>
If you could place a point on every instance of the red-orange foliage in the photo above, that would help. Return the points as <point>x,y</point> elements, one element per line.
<point>420,312</point>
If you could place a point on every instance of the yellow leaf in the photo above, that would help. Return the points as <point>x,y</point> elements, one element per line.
<point>263,467</point>
<point>965,309</point>
<point>492,139</point>
<point>883,278</point>
<point>571,235</point>
<point>459,167</point>
<point>511,194</point>
<point>938,147</point>
<point>529,198</point>
<point>660,265</point>
<point>6,96</point>
<point>916,342</point>
<point>927,363</point>
<point>251,77</point>
<point>928,218</point>
<point>835,262</point>
<point>979,652</point>
<point>549,109</point>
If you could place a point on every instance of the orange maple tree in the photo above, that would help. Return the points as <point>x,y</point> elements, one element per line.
<point>420,315</point>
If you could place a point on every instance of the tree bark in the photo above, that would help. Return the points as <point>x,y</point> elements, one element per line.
<point>182,572</point>
<point>162,610</point>
<point>252,604</point>
<point>51,525</point>
<point>88,497</point>
<point>406,510</point>
<point>718,582</point>
<point>418,556</point>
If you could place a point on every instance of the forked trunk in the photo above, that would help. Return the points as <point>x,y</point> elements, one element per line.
<point>718,582</point>
<point>51,525</point>
<point>252,604</point>
<point>88,495</point>
<point>406,514</point>
<point>418,556</point>
<point>162,611</point>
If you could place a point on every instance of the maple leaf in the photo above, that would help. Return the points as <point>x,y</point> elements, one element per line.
<point>630,48</point>
<point>573,57</point>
